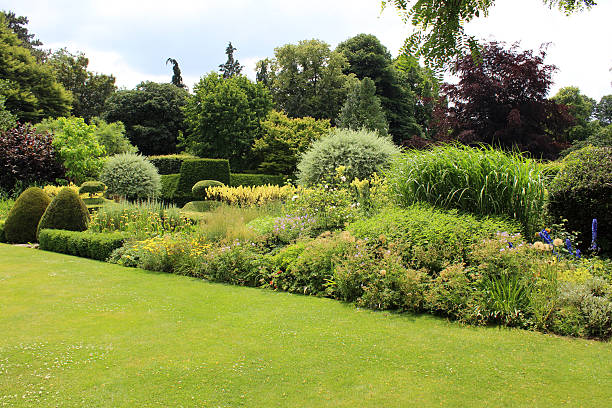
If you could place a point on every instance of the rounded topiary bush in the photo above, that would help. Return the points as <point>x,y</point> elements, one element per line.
<point>581,191</point>
<point>363,153</point>
<point>92,187</point>
<point>66,212</point>
<point>131,176</point>
<point>22,221</point>
<point>199,189</point>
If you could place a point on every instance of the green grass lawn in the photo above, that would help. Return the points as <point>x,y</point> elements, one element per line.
<point>80,333</point>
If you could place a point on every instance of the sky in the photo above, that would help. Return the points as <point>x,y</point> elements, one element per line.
<point>132,39</point>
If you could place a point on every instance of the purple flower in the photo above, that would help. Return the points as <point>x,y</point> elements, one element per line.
<point>578,253</point>
<point>594,235</point>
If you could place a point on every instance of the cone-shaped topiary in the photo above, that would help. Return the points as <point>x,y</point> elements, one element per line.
<point>199,189</point>
<point>22,221</point>
<point>66,212</point>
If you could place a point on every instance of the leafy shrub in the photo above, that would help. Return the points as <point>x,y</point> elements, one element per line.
<point>251,196</point>
<point>112,137</point>
<point>483,181</point>
<point>65,212</point>
<point>2,236</point>
<point>169,184</point>
<point>77,147</point>
<point>362,153</point>
<point>27,157</point>
<point>429,237</point>
<point>22,221</point>
<point>581,191</point>
<point>170,163</point>
<point>83,244</point>
<point>92,187</point>
<point>253,180</point>
<point>194,170</point>
<point>131,176</point>
<point>198,191</point>
<point>238,263</point>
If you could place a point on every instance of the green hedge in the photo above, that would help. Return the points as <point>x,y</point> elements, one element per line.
<point>169,183</point>
<point>253,180</point>
<point>194,170</point>
<point>2,237</point>
<point>83,244</point>
<point>169,164</point>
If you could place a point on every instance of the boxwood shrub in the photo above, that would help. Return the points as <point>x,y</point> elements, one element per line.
<point>83,244</point>
<point>238,179</point>
<point>169,164</point>
<point>169,183</point>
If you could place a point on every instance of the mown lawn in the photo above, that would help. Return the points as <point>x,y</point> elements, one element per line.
<point>76,333</point>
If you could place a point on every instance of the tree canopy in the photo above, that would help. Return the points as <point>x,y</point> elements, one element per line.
<point>362,109</point>
<point>439,36</point>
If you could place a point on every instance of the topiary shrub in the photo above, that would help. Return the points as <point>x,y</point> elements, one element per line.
<point>170,163</point>
<point>198,190</point>
<point>92,187</point>
<point>2,236</point>
<point>363,153</point>
<point>66,212</point>
<point>581,191</point>
<point>194,170</point>
<point>22,221</point>
<point>131,176</point>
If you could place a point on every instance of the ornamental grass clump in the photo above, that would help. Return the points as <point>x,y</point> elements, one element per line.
<point>483,181</point>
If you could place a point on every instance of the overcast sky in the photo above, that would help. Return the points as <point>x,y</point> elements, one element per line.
<point>132,39</point>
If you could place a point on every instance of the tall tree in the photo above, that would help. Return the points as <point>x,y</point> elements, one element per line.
<point>603,110</point>
<point>307,79</point>
<point>223,118</point>
<point>89,90</point>
<point>502,101</point>
<point>362,109</point>
<point>18,24</point>
<point>581,108</point>
<point>440,37</point>
<point>231,67</point>
<point>152,114</point>
<point>177,79</point>
<point>33,93</point>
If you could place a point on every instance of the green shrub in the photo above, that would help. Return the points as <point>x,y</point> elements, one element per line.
<point>238,263</point>
<point>169,184</point>
<point>430,237</point>
<point>22,221</point>
<point>253,180</point>
<point>482,181</point>
<point>194,170</point>
<point>363,153</point>
<point>131,176</point>
<point>169,164</point>
<point>582,191</point>
<point>92,187</point>
<point>2,236</point>
<point>198,191</point>
<point>201,206</point>
<point>65,212</point>
<point>83,244</point>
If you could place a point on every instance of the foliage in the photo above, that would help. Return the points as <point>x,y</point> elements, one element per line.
<point>482,181</point>
<point>603,110</point>
<point>362,153</point>
<point>177,79</point>
<point>253,180</point>
<point>53,190</point>
<point>7,119</point>
<point>169,163</point>
<point>112,137</point>
<point>65,212</point>
<point>21,223</point>
<point>581,191</point>
<point>248,196</point>
<point>581,108</point>
<point>306,80</point>
<point>89,90</point>
<point>83,244</point>
<point>284,139</point>
<point>362,109</point>
<point>2,235</point>
<point>92,187</point>
<point>140,220</point>
<point>198,191</point>
<point>152,114</point>
<point>18,24</point>
<point>427,237</point>
<point>34,92</point>
<point>232,67</point>
<point>229,223</point>
<point>169,185</point>
<point>439,35</point>
<point>131,176</point>
<point>27,157</point>
<point>194,170</point>
<point>501,101</point>
<point>223,118</point>
<point>77,147</point>
<point>6,204</point>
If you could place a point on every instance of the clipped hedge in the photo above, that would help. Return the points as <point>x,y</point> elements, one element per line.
<point>2,237</point>
<point>169,164</point>
<point>253,180</point>
<point>198,191</point>
<point>92,187</point>
<point>83,244</point>
<point>194,170</point>
<point>169,184</point>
